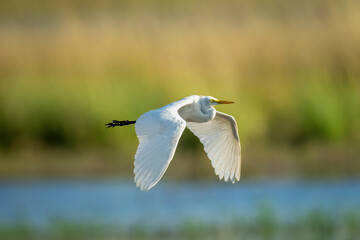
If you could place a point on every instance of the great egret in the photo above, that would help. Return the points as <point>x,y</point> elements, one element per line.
<point>159,132</point>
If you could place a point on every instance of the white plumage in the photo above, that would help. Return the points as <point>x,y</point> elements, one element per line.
<point>159,132</point>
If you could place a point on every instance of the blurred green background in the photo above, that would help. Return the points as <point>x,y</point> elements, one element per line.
<point>292,67</point>
<point>69,67</point>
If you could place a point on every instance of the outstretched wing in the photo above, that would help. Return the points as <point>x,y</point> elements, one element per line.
<point>221,143</point>
<point>158,132</point>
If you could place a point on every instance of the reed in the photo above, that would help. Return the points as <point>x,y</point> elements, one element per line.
<point>67,68</point>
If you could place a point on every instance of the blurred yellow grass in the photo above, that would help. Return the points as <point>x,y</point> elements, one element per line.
<point>292,67</point>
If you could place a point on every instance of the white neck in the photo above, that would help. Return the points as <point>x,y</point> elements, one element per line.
<point>197,111</point>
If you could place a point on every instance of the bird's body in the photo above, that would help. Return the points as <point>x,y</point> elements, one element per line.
<point>159,132</point>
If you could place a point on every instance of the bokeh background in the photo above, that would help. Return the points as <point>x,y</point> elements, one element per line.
<point>68,67</point>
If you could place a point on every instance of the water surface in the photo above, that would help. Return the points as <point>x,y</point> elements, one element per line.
<point>119,202</point>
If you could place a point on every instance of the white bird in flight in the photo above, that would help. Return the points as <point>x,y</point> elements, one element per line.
<point>159,132</point>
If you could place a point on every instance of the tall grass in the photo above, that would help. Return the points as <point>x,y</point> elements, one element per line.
<point>66,68</point>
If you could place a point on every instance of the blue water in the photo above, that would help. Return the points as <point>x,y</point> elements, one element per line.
<point>39,203</point>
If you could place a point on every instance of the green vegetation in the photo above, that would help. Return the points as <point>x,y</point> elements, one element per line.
<point>316,225</point>
<point>292,67</point>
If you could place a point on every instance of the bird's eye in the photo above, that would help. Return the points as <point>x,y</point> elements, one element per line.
<point>212,100</point>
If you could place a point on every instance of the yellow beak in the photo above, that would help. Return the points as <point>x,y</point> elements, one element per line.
<point>223,102</point>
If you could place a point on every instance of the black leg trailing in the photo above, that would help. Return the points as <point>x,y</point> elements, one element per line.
<point>115,123</point>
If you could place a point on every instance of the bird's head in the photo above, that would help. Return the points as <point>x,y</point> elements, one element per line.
<point>214,101</point>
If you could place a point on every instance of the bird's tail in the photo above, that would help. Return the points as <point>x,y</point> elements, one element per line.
<point>115,123</point>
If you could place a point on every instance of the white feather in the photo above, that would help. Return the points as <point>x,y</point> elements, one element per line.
<point>221,143</point>
<point>159,132</point>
